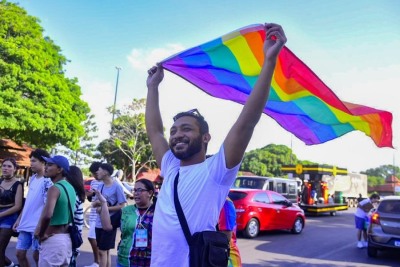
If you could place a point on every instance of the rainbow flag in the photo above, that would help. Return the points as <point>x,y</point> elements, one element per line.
<point>299,101</point>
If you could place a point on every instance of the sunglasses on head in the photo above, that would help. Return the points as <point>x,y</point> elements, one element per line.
<point>192,113</point>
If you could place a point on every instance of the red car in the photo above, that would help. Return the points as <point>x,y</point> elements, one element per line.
<point>86,183</point>
<point>258,210</point>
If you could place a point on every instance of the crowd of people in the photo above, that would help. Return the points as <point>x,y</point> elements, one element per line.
<point>151,234</point>
<point>42,222</point>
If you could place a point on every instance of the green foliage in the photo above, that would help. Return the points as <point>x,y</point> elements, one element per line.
<point>383,171</point>
<point>39,105</point>
<point>375,180</point>
<point>128,147</point>
<point>86,152</point>
<point>267,161</point>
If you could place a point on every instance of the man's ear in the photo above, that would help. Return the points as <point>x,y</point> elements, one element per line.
<point>206,138</point>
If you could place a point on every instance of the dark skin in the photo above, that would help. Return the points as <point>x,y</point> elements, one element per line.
<point>239,135</point>
<point>182,133</point>
<point>44,230</point>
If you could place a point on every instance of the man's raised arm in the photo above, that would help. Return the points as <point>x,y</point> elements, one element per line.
<point>238,138</point>
<point>154,124</point>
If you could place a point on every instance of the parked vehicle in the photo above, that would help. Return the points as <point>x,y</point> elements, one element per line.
<point>320,182</point>
<point>260,210</point>
<point>384,226</point>
<point>285,186</point>
<point>86,183</point>
<point>347,187</point>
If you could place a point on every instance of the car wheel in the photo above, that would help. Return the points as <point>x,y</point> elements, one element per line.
<point>372,251</point>
<point>252,228</point>
<point>298,226</point>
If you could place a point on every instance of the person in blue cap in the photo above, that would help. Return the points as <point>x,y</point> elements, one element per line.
<point>52,230</point>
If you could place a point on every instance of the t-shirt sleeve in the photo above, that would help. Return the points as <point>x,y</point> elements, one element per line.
<point>78,214</point>
<point>223,176</point>
<point>47,183</point>
<point>168,161</point>
<point>120,194</point>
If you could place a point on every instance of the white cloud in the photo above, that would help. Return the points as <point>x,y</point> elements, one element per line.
<point>99,96</point>
<point>145,58</point>
<point>370,86</point>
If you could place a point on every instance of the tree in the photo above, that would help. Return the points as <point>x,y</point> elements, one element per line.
<point>267,161</point>
<point>85,153</point>
<point>383,171</point>
<point>128,146</point>
<point>377,176</point>
<point>39,105</point>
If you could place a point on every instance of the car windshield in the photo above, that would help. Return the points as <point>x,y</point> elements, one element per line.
<point>389,206</point>
<point>248,182</point>
<point>235,195</point>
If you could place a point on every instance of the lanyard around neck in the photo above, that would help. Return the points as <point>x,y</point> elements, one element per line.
<point>141,217</point>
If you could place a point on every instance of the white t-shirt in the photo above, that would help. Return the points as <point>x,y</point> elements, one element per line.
<point>202,190</point>
<point>360,212</point>
<point>94,184</point>
<point>34,203</point>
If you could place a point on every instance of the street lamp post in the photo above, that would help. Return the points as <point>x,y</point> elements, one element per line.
<point>115,96</point>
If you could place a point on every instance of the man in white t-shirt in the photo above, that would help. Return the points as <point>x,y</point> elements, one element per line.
<point>203,183</point>
<point>34,203</point>
<point>360,218</point>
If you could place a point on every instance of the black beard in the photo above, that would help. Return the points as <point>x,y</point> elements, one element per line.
<point>194,148</point>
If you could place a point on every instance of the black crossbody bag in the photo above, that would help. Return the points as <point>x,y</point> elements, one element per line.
<point>206,248</point>
<point>115,218</point>
<point>76,237</point>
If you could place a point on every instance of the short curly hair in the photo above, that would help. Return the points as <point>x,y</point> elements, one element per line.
<point>39,154</point>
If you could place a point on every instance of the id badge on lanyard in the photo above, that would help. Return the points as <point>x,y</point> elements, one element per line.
<point>141,238</point>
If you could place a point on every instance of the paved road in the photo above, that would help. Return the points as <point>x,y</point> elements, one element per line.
<point>326,241</point>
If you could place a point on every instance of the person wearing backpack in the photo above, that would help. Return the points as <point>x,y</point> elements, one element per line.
<point>52,230</point>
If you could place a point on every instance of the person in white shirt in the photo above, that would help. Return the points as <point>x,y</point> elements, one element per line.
<point>94,185</point>
<point>331,199</point>
<point>360,218</point>
<point>34,203</point>
<point>203,183</point>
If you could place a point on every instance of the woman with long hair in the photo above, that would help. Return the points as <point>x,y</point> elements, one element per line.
<point>11,198</point>
<point>75,178</point>
<point>136,223</point>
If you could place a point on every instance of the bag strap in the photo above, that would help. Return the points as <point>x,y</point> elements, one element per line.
<point>179,211</point>
<point>101,192</point>
<point>69,204</point>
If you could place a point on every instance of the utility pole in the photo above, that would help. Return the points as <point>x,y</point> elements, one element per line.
<point>115,95</point>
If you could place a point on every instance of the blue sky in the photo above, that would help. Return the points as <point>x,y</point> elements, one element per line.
<point>353,46</point>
